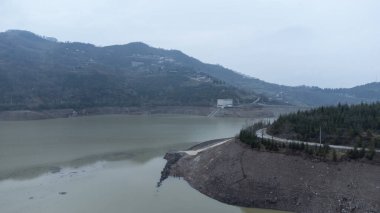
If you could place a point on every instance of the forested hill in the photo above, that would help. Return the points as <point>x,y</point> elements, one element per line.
<point>39,73</point>
<point>341,125</point>
<point>300,95</point>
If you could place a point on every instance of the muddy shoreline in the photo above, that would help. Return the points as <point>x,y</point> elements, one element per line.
<point>235,174</point>
<point>242,112</point>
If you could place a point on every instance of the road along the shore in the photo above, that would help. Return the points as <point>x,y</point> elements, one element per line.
<point>262,133</point>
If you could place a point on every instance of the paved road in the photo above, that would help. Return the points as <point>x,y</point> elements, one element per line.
<point>263,133</point>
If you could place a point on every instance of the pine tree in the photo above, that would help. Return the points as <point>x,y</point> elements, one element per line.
<point>362,152</point>
<point>307,148</point>
<point>354,154</point>
<point>371,152</point>
<point>334,155</point>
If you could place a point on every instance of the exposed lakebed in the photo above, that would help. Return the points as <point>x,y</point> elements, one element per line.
<point>103,164</point>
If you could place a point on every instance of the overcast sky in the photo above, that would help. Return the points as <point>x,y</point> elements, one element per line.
<point>328,43</point>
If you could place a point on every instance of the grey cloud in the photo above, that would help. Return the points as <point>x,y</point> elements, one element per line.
<point>329,43</point>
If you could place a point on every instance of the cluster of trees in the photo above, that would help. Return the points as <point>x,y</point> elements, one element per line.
<point>359,153</point>
<point>340,125</point>
<point>248,136</point>
<point>271,145</point>
<point>312,150</point>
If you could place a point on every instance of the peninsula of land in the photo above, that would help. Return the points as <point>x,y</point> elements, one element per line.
<point>231,172</point>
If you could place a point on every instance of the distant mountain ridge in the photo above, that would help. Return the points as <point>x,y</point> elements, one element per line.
<point>299,95</point>
<point>40,72</point>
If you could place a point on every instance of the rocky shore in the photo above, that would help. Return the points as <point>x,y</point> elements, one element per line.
<point>235,174</point>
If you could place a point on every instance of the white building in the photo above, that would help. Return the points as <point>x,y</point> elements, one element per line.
<point>222,103</point>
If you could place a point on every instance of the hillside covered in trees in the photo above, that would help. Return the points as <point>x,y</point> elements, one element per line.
<point>353,125</point>
<point>40,73</point>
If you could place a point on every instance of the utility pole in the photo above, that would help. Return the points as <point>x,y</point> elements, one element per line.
<point>320,135</point>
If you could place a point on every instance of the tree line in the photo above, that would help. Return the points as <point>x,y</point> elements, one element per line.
<point>340,125</point>
<point>248,135</point>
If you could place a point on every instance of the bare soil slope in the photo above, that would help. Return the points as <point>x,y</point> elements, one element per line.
<point>234,174</point>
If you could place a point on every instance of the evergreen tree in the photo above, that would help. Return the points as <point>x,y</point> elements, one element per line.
<point>341,125</point>
<point>354,154</point>
<point>334,155</point>
<point>362,152</point>
<point>371,152</point>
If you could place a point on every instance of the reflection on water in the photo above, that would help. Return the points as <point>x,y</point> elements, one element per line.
<point>117,186</point>
<point>44,143</point>
<point>138,156</point>
<point>103,164</point>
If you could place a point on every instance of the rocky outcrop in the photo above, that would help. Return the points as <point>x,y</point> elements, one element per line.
<point>171,158</point>
<point>233,173</point>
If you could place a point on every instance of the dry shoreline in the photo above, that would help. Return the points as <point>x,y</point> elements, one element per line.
<point>242,112</point>
<point>234,174</point>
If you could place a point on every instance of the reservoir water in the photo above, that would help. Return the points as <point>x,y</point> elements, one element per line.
<point>102,164</point>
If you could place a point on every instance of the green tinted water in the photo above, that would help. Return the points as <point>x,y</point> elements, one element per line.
<point>103,164</point>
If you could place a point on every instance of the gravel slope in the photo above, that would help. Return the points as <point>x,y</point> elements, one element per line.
<point>234,174</point>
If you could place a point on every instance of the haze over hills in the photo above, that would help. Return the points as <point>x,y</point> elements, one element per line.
<point>38,72</point>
